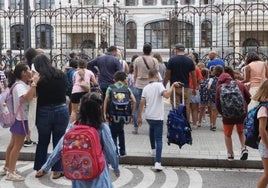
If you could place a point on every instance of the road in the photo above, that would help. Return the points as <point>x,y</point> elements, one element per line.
<point>146,177</point>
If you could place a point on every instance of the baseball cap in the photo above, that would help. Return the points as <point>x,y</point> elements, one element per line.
<point>179,46</point>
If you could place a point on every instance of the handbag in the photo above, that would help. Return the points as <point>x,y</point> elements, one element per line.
<point>147,66</point>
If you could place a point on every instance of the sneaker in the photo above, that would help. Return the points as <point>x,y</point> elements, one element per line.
<point>213,128</point>
<point>153,151</point>
<point>135,131</point>
<point>12,176</point>
<point>3,172</point>
<point>123,154</point>
<point>28,143</point>
<point>158,166</point>
<point>230,157</point>
<point>244,154</point>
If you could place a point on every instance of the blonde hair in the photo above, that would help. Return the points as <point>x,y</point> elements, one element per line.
<point>262,93</point>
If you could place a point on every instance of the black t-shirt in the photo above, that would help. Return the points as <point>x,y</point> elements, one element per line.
<point>180,67</point>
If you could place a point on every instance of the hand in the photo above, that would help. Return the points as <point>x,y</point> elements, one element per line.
<point>36,77</point>
<point>117,174</point>
<point>139,121</point>
<point>194,91</point>
<point>105,117</point>
<point>176,84</point>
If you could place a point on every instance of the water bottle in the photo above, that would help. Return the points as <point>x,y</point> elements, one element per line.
<point>4,109</point>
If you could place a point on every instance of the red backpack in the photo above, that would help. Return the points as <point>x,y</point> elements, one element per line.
<point>82,155</point>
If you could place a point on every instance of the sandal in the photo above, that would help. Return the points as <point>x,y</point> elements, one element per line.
<point>57,175</point>
<point>40,173</point>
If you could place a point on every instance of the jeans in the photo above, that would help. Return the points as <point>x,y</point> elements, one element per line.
<point>117,130</point>
<point>49,120</point>
<point>137,93</point>
<point>155,134</point>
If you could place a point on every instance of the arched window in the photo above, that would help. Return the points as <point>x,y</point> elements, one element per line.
<point>158,33</point>
<point>44,4</point>
<point>206,34</point>
<point>131,35</point>
<point>251,42</point>
<point>186,2</point>
<point>16,4</point>
<point>16,37</point>
<point>2,4</point>
<point>44,36</point>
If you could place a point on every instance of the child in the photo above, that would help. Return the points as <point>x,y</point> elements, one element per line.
<point>204,95</point>
<point>216,72</point>
<point>131,77</point>
<point>154,113</point>
<point>90,114</point>
<point>262,115</point>
<point>117,128</point>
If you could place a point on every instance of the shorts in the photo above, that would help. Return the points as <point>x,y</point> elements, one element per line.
<point>194,98</point>
<point>212,105</point>
<point>263,151</point>
<point>228,129</point>
<point>18,128</point>
<point>75,97</point>
<point>203,104</point>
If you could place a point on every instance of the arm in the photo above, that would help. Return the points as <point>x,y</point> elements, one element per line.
<point>93,80</point>
<point>32,91</point>
<point>126,67</point>
<point>193,75</point>
<point>135,74</point>
<point>262,131</point>
<point>247,75</point>
<point>167,77</point>
<point>142,104</point>
<point>167,93</point>
<point>217,99</point>
<point>105,103</point>
<point>133,99</point>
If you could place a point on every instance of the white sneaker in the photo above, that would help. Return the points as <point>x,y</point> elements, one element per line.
<point>153,151</point>
<point>158,166</point>
<point>12,176</point>
<point>3,172</point>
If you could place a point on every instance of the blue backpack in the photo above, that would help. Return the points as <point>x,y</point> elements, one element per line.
<point>251,127</point>
<point>212,91</point>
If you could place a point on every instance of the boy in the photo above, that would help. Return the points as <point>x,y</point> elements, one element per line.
<point>154,112</point>
<point>117,128</point>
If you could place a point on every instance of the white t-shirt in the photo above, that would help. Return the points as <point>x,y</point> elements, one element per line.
<point>18,92</point>
<point>152,93</point>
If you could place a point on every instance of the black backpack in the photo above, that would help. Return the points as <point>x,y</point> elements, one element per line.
<point>119,104</point>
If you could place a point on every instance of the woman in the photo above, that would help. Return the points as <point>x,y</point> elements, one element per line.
<point>255,72</point>
<point>52,114</point>
<point>81,85</point>
<point>90,114</point>
<point>23,92</point>
<point>162,66</point>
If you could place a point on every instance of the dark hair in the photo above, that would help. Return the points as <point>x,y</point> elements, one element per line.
<point>29,54</point>
<point>134,57</point>
<point>147,48</point>
<point>82,63</point>
<point>73,63</point>
<point>72,54</point>
<point>111,49</point>
<point>218,69</point>
<point>230,71</point>
<point>153,73</point>
<point>205,73</point>
<point>120,76</point>
<point>131,68</point>
<point>43,66</point>
<point>16,74</point>
<point>252,56</point>
<point>90,111</point>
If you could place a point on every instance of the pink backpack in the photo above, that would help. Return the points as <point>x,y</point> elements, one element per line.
<point>82,155</point>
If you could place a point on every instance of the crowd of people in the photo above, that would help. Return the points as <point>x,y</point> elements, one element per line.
<point>62,97</point>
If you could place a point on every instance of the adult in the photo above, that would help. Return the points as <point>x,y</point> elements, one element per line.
<point>124,65</point>
<point>142,65</point>
<point>180,68</point>
<point>52,116</point>
<point>256,71</point>
<point>228,123</point>
<point>214,60</point>
<point>23,93</point>
<point>107,65</point>
<point>162,66</point>
<point>10,64</point>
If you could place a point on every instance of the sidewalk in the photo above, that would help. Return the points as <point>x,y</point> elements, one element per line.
<point>207,150</point>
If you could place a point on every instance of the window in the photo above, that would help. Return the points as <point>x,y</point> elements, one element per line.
<point>1,38</point>
<point>16,37</point>
<point>90,2</point>
<point>186,2</point>
<point>16,4</point>
<point>44,4</point>
<point>131,35</point>
<point>206,34</point>
<point>206,2</point>
<point>131,2</point>
<point>44,36</point>
<point>168,2</point>
<point>1,4</point>
<point>149,2</point>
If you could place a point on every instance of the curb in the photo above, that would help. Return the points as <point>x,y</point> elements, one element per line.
<point>170,161</point>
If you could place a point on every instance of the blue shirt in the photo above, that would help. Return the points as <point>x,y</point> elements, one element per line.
<point>215,62</point>
<point>109,150</point>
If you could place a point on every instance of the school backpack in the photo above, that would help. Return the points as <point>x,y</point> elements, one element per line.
<point>204,93</point>
<point>7,113</point>
<point>70,74</point>
<point>251,126</point>
<point>120,104</point>
<point>212,91</point>
<point>232,101</point>
<point>82,155</point>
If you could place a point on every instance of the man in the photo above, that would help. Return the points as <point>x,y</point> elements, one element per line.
<point>179,68</point>
<point>142,65</point>
<point>107,65</point>
<point>214,60</point>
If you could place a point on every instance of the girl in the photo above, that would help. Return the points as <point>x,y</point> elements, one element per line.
<point>90,114</point>
<point>23,93</point>
<point>262,115</point>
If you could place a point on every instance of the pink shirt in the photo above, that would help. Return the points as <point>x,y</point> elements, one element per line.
<point>257,72</point>
<point>77,80</point>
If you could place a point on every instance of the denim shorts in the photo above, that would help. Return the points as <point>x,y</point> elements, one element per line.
<point>263,151</point>
<point>194,98</point>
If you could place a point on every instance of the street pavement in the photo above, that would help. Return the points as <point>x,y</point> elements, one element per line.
<point>207,149</point>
